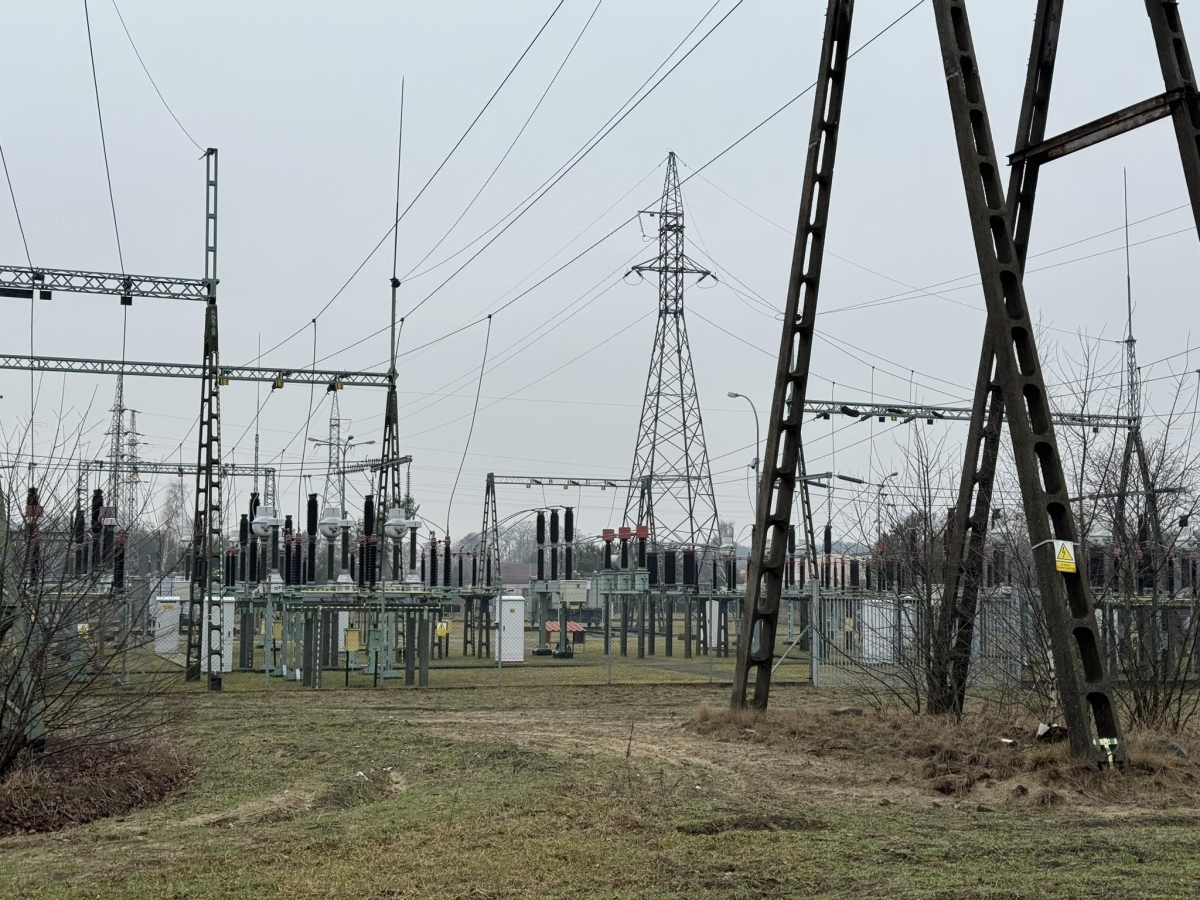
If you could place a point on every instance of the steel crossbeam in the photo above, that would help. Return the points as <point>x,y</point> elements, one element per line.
<point>45,281</point>
<point>277,377</point>
<point>905,413</point>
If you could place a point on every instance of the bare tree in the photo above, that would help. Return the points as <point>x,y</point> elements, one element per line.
<point>76,671</point>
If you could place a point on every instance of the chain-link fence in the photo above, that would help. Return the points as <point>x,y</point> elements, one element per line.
<point>579,636</point>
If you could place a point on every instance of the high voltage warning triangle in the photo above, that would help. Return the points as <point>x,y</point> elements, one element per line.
<point>1064,557</point>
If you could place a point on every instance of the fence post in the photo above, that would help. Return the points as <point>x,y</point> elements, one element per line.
<point>816,633</point>
<point>608,656</point>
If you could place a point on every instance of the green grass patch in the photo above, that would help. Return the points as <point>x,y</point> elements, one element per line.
<point>571,792</point>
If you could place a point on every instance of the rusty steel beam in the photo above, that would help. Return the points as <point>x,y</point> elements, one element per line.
<point>1119,122</point>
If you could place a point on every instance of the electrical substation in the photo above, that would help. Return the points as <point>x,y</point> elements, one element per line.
<point>304,590</point>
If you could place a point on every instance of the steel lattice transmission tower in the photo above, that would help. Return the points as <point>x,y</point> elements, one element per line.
<point>332,495</point>
<point>674,493</point>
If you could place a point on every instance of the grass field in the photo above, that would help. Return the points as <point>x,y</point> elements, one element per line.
<point>629,791</point>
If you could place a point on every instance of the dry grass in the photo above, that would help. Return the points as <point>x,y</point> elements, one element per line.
<point>961,759</point>
<point>74,788</point>
<point>606,794</point>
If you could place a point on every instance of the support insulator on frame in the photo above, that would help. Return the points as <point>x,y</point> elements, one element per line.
<point>433,561</point>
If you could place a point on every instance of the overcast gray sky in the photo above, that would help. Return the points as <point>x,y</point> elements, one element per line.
<point>302,99</point>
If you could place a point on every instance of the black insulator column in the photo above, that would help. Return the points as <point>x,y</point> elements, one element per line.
<point>243,544</point>
<point>554,545</point>
<point>312,538</point>
<point>623,533</point>
<point>643,532</point>
<point>96,526</point>
<point>541,545</point>
<point>412,550</point>
<point>608,534</point>
<point>366,560</point>
<point>119,563</point>
<point>488,566</point>
<point>80,543</point>
<point>433,561</point>
<point>231,558</point>
<point>652,568</point>
<point>791,563</point>
<point>689,567</point>
<point>110,532</point>
<point>33,513</point>
<point>346,551</point>
<point>422,567</point>
<point>255,570</point>
<point>460,569</point>
<point>446,561</point>
<point>669,567</point>
<point>568,541</point>
<point>274,548</point>
<point>474,568</point>
<point>287,559</point>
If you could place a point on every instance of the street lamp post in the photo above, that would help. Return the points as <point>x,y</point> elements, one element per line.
<point>734,395</point>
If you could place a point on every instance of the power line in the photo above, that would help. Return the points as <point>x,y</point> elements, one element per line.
<point>153,84</point>
<point>474,412</point>
<point>573,157</point>
<point>103,143</point>
<point>505,156</point>
<point>502,307</point>
<point>853,54</point>
<point>429,181</point>
<point>16,209</point>
<point>577,161</point>
<point>587,149</point>
<point>554,371</point>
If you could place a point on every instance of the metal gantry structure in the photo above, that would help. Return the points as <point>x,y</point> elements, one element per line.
<point>1010,384</point>
<point>205,609</point>
<point>670,451</point>
<point>204,598</point>
<point>276,377</point>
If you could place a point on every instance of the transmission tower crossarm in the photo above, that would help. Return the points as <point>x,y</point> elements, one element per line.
<point>1084,690</point>
<point>764,579</point>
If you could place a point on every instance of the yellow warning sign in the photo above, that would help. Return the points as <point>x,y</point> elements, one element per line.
<point>1064,556</point>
